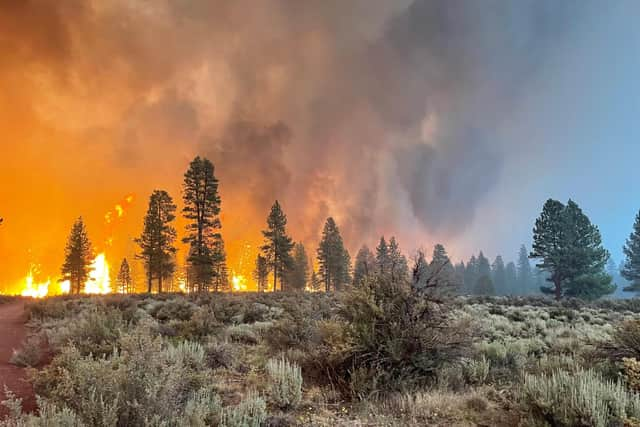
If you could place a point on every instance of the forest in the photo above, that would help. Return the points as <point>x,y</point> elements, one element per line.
<point>383,340</point>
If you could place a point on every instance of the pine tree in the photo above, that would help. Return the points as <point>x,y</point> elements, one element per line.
<point>78,257</point>
<point>398,266</point>
<point>524,275</point>
<point>631,249</point>
<point>484,286</point>
<point>511,279</point>
<point>316,282</point>
<point>483,266</point>
<point>125,284</point>
<point>364,266</point>
<point>157,239</point>
<point>202,210</point>
<point>471,274</point>
<point>299,274</point>
<point>278,245</point>
<point>441,268</point>
<point>498,275</point>
<point>220,281</point>
<point>261,273</point>
<point>333,258</point>
<point>571,251</point>
<point>382,257</point>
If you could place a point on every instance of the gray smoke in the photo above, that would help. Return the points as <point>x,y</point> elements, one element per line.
<point>379,113</point>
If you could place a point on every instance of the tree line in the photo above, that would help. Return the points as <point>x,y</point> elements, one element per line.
<point>571,261</point>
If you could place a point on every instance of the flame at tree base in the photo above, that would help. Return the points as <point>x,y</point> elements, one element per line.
<point>99,282</point>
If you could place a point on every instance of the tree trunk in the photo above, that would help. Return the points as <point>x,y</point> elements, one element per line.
<point>149,283</point>
<point>160,284</point>
<point>558,285</point>
<point>275,272</point>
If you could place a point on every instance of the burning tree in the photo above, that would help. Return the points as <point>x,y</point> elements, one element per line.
<point>278,245</point>
<point>157,238</point>
<point>202,210</point>
<point>78,257</point>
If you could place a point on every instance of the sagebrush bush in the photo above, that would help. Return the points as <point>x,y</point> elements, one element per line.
<point>94,331</point>
<point>285,383</point>
<point>48,415</point>
<point>401,335</point>
<point>583,398</point>
<point>31,353</point>
<point>250,412</point>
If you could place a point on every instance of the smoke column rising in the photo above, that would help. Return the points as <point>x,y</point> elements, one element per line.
<point>382,114</point>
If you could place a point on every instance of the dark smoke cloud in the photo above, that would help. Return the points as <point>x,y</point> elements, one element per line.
<point>378,113</point>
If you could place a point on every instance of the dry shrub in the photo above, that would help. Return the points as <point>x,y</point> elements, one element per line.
<point>398,338</point>
<point>632,373</point>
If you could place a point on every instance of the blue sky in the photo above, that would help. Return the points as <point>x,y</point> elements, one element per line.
<point>574,134</point>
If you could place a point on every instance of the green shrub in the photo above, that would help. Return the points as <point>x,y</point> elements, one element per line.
<point>285,381</point>
<point>476,371</point>
<point>94,331</point>
<point>48,415</point>
<point>583,398</point>
<point>250,412</point>
<point>31,353</point>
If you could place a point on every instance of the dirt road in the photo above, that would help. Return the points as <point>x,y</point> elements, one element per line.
<point>12,333</point>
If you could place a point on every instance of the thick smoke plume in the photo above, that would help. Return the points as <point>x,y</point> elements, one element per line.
<point>378,113</point>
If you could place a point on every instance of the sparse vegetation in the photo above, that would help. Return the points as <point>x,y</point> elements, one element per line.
<point>382,354</point>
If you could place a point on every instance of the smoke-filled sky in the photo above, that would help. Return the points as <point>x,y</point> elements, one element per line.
<point>437,121</point>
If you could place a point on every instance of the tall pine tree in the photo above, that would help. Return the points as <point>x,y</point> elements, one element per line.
<point>570,250</point>
<point>278,245</point>
<point>202,212</point>
<point>631,267</point>
<point>158,238</point>
<point>333,258</point>
<point>78,257</point>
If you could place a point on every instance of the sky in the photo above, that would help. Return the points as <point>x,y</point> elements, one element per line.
<point>435,121</point>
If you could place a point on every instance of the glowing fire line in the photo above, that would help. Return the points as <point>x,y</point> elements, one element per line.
<point>99,282</point>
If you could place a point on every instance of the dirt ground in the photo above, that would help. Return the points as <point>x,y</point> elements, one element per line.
<point>12,333</point>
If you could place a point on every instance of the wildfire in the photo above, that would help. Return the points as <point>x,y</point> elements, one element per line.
<point>99,281</point>
<point>35,290</point>
<point>239,282</point>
